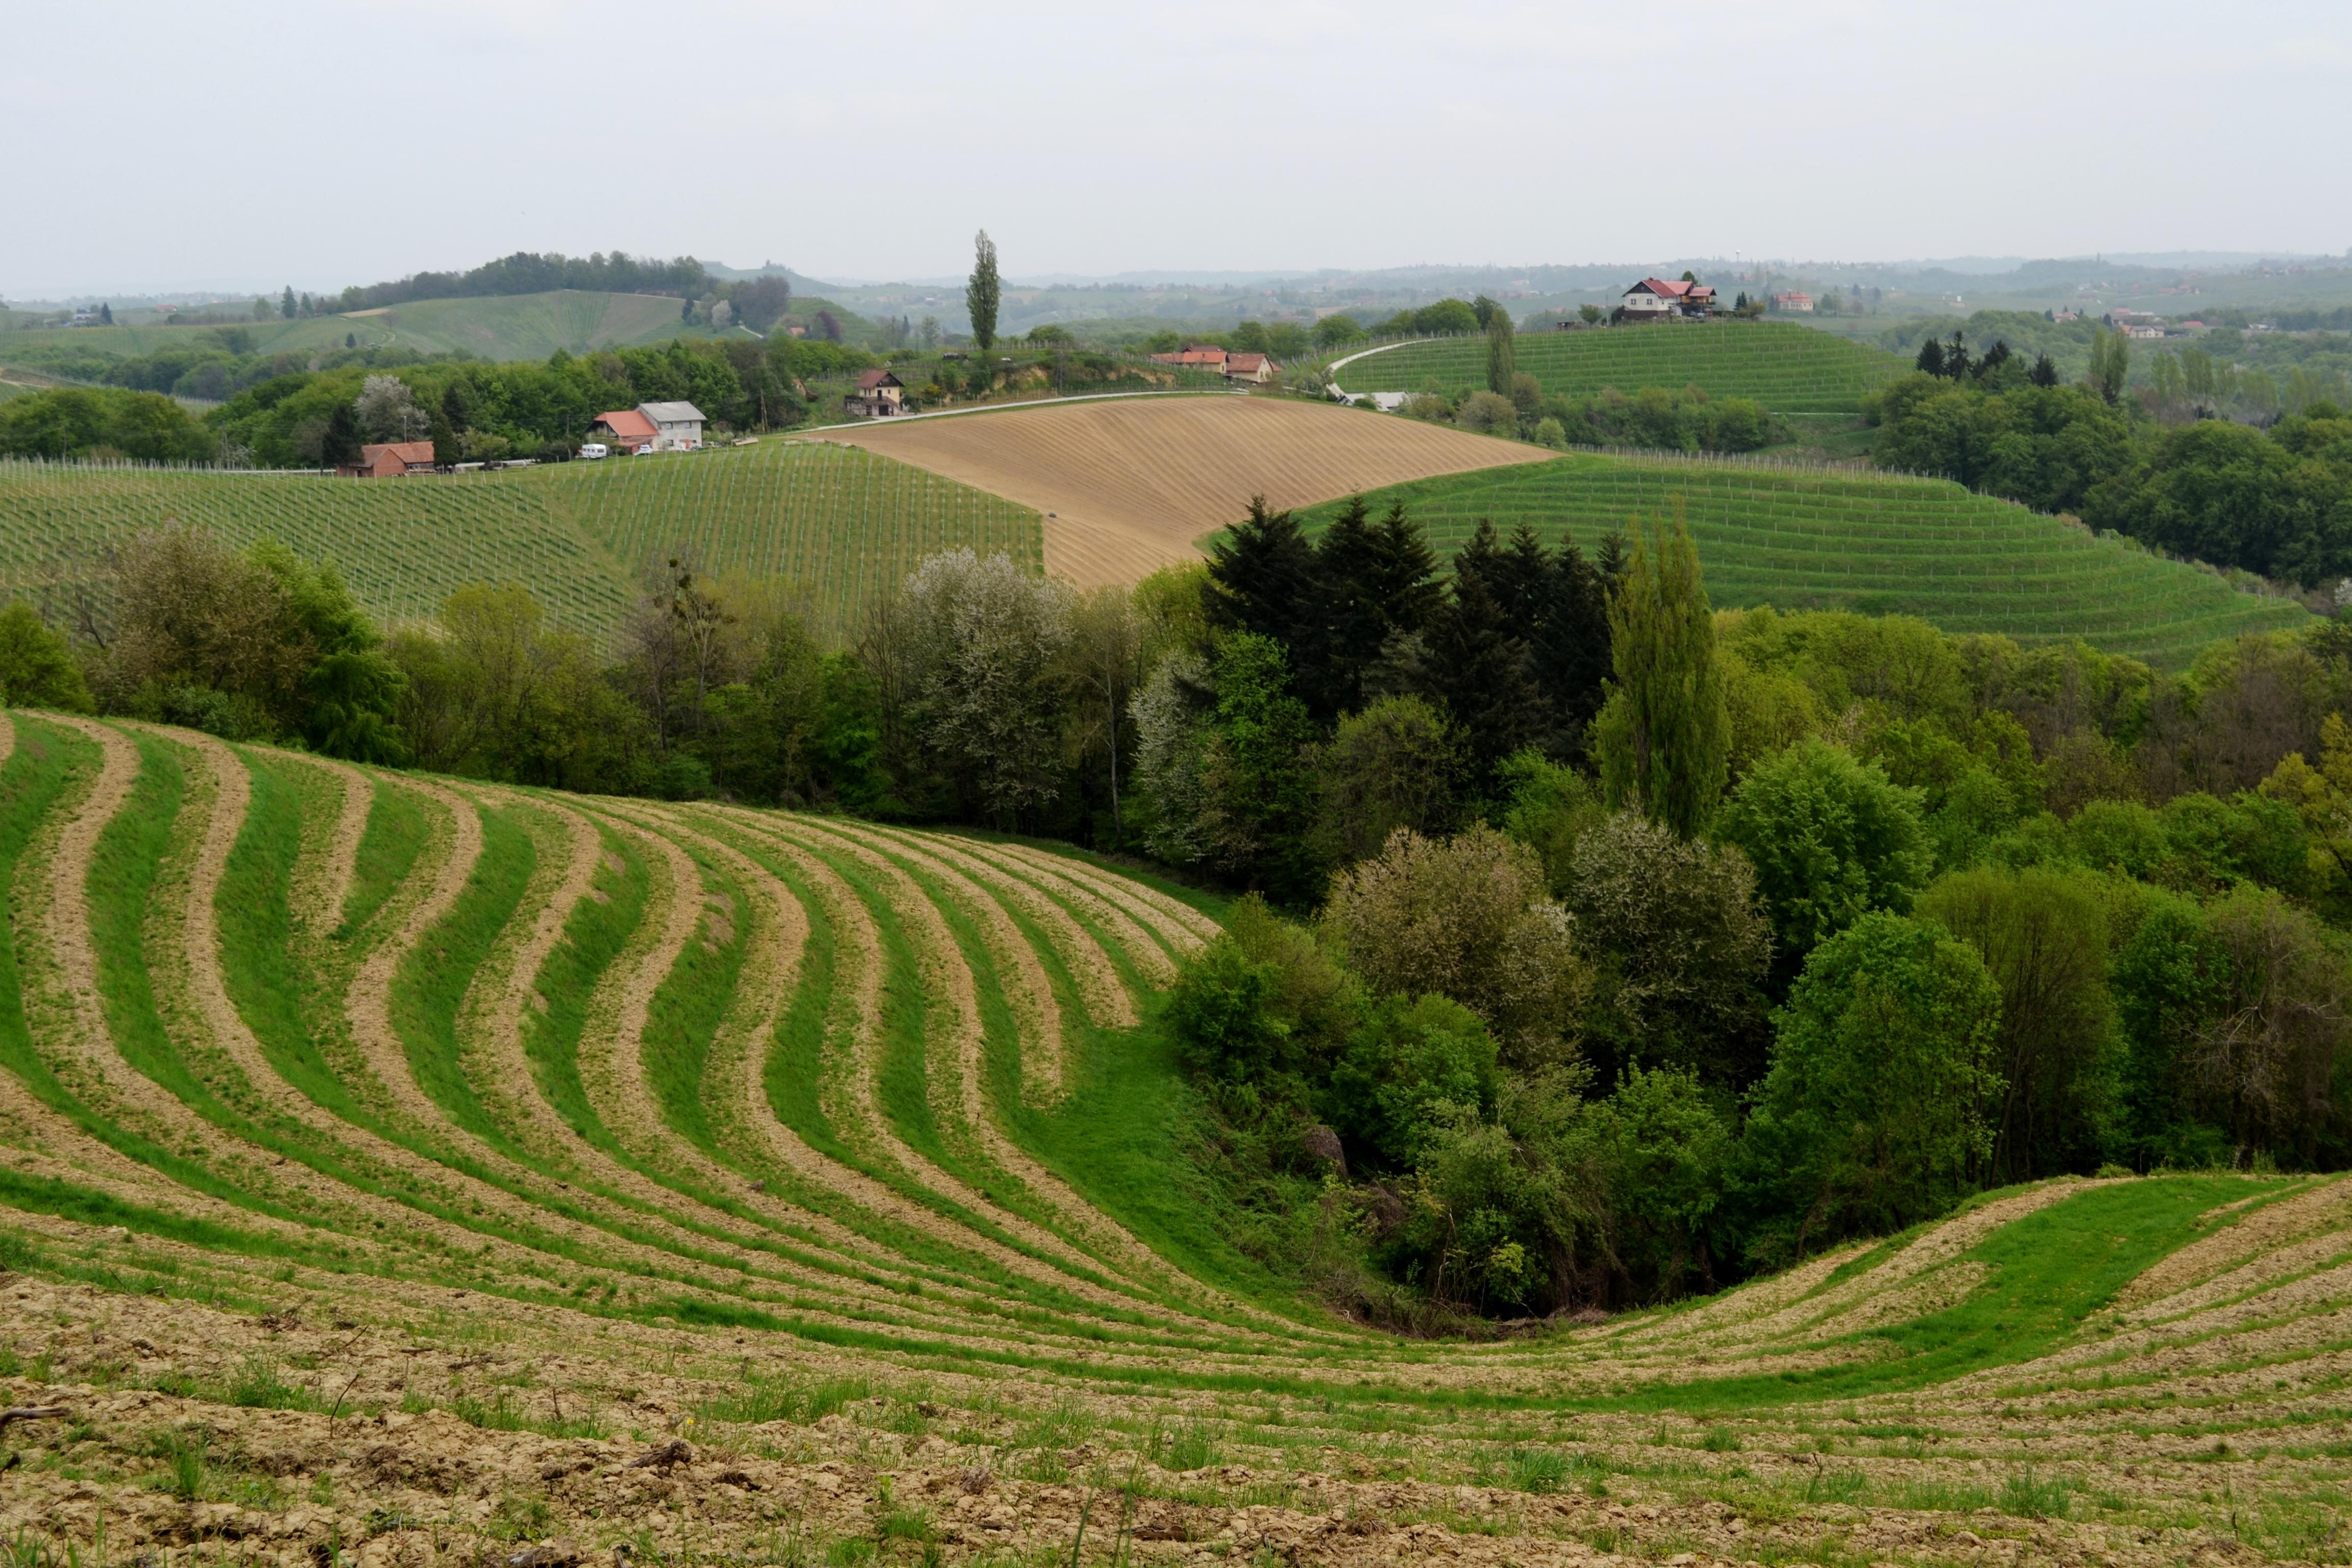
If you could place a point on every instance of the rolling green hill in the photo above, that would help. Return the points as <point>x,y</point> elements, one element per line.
<point>526,326</point>
<point>421,1162</point>
<point>835,522</point>
<point>1788,369</point>
<point>1825,538</point>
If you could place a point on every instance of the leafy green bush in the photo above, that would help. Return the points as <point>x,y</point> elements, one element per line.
<point>1412,1061</point>
<point>1878,1112</point>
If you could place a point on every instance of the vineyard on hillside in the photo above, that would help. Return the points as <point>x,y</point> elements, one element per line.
<point>408,1171</point>
<point>494,327</point>
<point>839,524</point>
<point>1880,544</point>
<point>1788,369</point>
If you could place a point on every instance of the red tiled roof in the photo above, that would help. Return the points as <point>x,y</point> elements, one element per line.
<point>869,380</point>
<point>402,452</point>
<point>628,425</point>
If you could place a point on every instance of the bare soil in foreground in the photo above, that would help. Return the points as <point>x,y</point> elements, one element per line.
<point>1128,486</point>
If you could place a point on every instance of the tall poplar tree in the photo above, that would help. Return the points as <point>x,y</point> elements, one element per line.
<point>980,295</point>
<point>1664,734</point>
<point>1502,356</point>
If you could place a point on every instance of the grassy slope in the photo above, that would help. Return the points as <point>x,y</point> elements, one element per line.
<point>510,327</point>
<point>1788,369</point>
<point>1879,544</point>
<point>838,524</point>
<point>2000,1364</point>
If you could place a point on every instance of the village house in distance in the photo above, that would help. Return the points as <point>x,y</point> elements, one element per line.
<point>1665,299</point>
<point>1255,369</point>
<point>651,427</point>
<point>879,395</point>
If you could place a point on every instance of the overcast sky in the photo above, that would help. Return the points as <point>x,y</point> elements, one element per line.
<point>249,143</point>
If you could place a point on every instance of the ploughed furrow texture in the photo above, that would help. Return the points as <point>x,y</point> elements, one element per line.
<point>387,1164</point>
<point>1128,486</point>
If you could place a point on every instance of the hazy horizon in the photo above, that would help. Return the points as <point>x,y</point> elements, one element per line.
<point>269,143</point>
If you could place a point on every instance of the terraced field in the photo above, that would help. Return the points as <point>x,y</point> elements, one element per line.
<point>1788,369</point>
<point>1882,544</point>
<point>838,524</point>
<point>407,1171</point>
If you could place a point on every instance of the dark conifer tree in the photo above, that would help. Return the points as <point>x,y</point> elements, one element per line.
<point>1262,578</point>
<point>1956,357</point>
<point>2044,372</point>
<point>1410,592</point>
<point>1931,357</point>
<point>1570,649</point>
<point>1612,560</point>
<point>340,444</point>
<point>1479,671</point>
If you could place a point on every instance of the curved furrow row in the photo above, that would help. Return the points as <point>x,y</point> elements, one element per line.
<point>596,1245</point>
<point>1039,1021</point>
<point>736,1087</point>
<point>1182,927</point>
<point>1077,915</point>
<point>847,1098</point>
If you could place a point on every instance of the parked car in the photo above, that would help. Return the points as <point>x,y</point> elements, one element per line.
<point>595,450</point>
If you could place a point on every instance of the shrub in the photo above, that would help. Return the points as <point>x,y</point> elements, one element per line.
<point>1393,765</point>
<point>1467,918</point>
<point>1878,1109</point>
<point>1410,1062</point>
<point>1488,413</point>
<point>1831,838</point>
<point>36,666</point>
<point>1681,948</point>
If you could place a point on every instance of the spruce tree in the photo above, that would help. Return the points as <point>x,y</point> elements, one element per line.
<point>340,443</point>
<point>1571,653</point>
<point>1664,734</point>
<point>1479,671</point>
<point>981,293</point>
<point>286,304</point>
<point>1262,578</point>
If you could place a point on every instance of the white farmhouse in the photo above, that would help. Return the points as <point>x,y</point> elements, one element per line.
<point>678,426</point>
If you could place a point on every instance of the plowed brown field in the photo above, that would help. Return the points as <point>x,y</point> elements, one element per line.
<point>1127,486</point>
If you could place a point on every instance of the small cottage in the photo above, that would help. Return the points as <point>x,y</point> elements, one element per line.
<point>1793,299</point>
<point>1255,369</point>
<point>389,460</point>
<point>879,395</point>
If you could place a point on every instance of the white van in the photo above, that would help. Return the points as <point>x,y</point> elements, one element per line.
<point>595,450</point>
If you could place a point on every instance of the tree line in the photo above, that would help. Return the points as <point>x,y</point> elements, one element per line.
<point>2275,502</point>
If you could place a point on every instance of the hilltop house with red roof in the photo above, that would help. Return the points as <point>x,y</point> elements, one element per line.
<point>1256,369</point>
<point>879,395</point>
<point>1658,299</point>
<point>1795,299</point>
